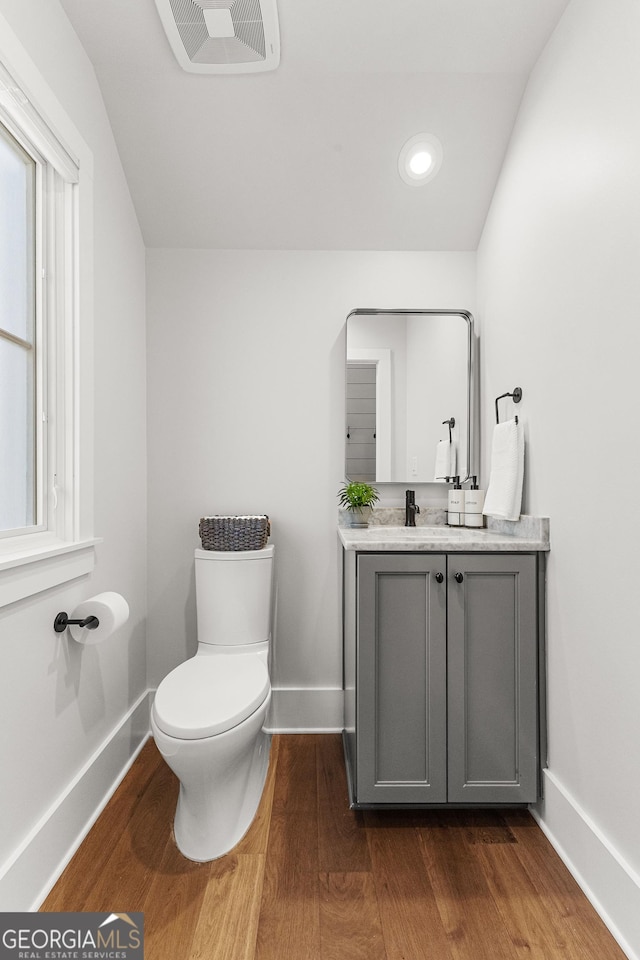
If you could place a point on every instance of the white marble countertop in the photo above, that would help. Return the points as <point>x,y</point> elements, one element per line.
<point>521,538</point>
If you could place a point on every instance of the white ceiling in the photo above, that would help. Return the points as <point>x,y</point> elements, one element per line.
<point>306,157</point>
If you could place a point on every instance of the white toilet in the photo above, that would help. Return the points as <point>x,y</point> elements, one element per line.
<point>208,715</point>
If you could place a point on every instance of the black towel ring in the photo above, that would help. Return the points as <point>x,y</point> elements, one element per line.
<point>517,397</point>
<point>451,422</point>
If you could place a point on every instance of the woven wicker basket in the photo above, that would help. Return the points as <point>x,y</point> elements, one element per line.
<point>234,533</point>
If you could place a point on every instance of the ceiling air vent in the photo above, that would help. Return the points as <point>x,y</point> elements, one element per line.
<point>222,36</point>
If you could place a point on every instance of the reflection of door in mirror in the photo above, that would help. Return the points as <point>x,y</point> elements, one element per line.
<point>360,456</point>
<point>379,360</point>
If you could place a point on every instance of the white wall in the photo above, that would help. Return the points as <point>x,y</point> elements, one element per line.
<point>61,702</point>
<point>559,298</point>
<point>437,352</point>
<point>246,413</point>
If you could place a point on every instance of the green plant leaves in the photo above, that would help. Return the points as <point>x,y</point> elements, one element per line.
<point>355,494</point>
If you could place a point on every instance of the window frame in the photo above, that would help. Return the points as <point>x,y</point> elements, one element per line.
<point>60,547</point>
<point>38,342</point>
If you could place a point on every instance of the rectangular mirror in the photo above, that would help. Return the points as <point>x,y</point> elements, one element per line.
<point>409,385</point>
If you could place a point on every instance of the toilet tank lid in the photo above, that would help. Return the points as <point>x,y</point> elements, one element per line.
<point>265,554</point>
<point>208,695</point>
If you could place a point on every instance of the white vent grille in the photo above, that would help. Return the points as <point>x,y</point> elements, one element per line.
<point>222,36</point>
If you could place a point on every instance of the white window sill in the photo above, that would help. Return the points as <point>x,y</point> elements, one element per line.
<point>27,572</point>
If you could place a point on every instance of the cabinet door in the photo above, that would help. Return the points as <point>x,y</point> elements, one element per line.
<point>492,678</point>
<point>401,679</point>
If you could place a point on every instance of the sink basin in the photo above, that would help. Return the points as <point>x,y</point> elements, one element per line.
<point>383,532</point>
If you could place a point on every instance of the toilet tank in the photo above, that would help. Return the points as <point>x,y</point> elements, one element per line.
<point>233,595</point>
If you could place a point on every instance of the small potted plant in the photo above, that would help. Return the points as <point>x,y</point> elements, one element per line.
<point>358,498</point>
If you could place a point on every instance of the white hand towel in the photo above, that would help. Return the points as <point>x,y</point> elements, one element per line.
<point>445,460</point>
<point>504,494</point>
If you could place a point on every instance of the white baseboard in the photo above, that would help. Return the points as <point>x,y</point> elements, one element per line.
<point>607,880</point>
<point>33,868</point>
<point>306,710</point>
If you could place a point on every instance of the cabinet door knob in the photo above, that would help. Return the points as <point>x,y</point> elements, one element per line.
<point>439,577</point>
<point>458,578</point>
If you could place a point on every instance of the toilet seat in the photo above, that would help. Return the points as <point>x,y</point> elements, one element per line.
<point>205,696</point>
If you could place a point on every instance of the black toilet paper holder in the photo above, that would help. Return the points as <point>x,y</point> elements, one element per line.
<point>62,621</point>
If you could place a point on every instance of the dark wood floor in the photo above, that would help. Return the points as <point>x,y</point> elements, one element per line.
<point>313,880</point>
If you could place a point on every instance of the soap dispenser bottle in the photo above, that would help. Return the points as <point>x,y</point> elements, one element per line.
<point>473,504</point>
<point>455,506</point>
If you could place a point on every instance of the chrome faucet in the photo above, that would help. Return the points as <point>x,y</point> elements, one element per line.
<point>411,508</point>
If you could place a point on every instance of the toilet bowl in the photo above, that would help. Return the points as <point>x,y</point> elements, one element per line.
<point>208,714</point>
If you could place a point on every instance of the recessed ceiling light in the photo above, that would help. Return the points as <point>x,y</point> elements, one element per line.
<point>420,159</point>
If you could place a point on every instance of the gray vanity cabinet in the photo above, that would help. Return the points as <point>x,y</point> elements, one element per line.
<point>401,698</point>
<point>445,681</point>
<point>492,662</point>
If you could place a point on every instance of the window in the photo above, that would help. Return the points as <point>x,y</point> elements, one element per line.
<point>44,513</point>
<point>20,391</point>
<point>38,252</point>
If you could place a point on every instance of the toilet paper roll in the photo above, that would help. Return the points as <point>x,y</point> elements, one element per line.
<point>111,609</point>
